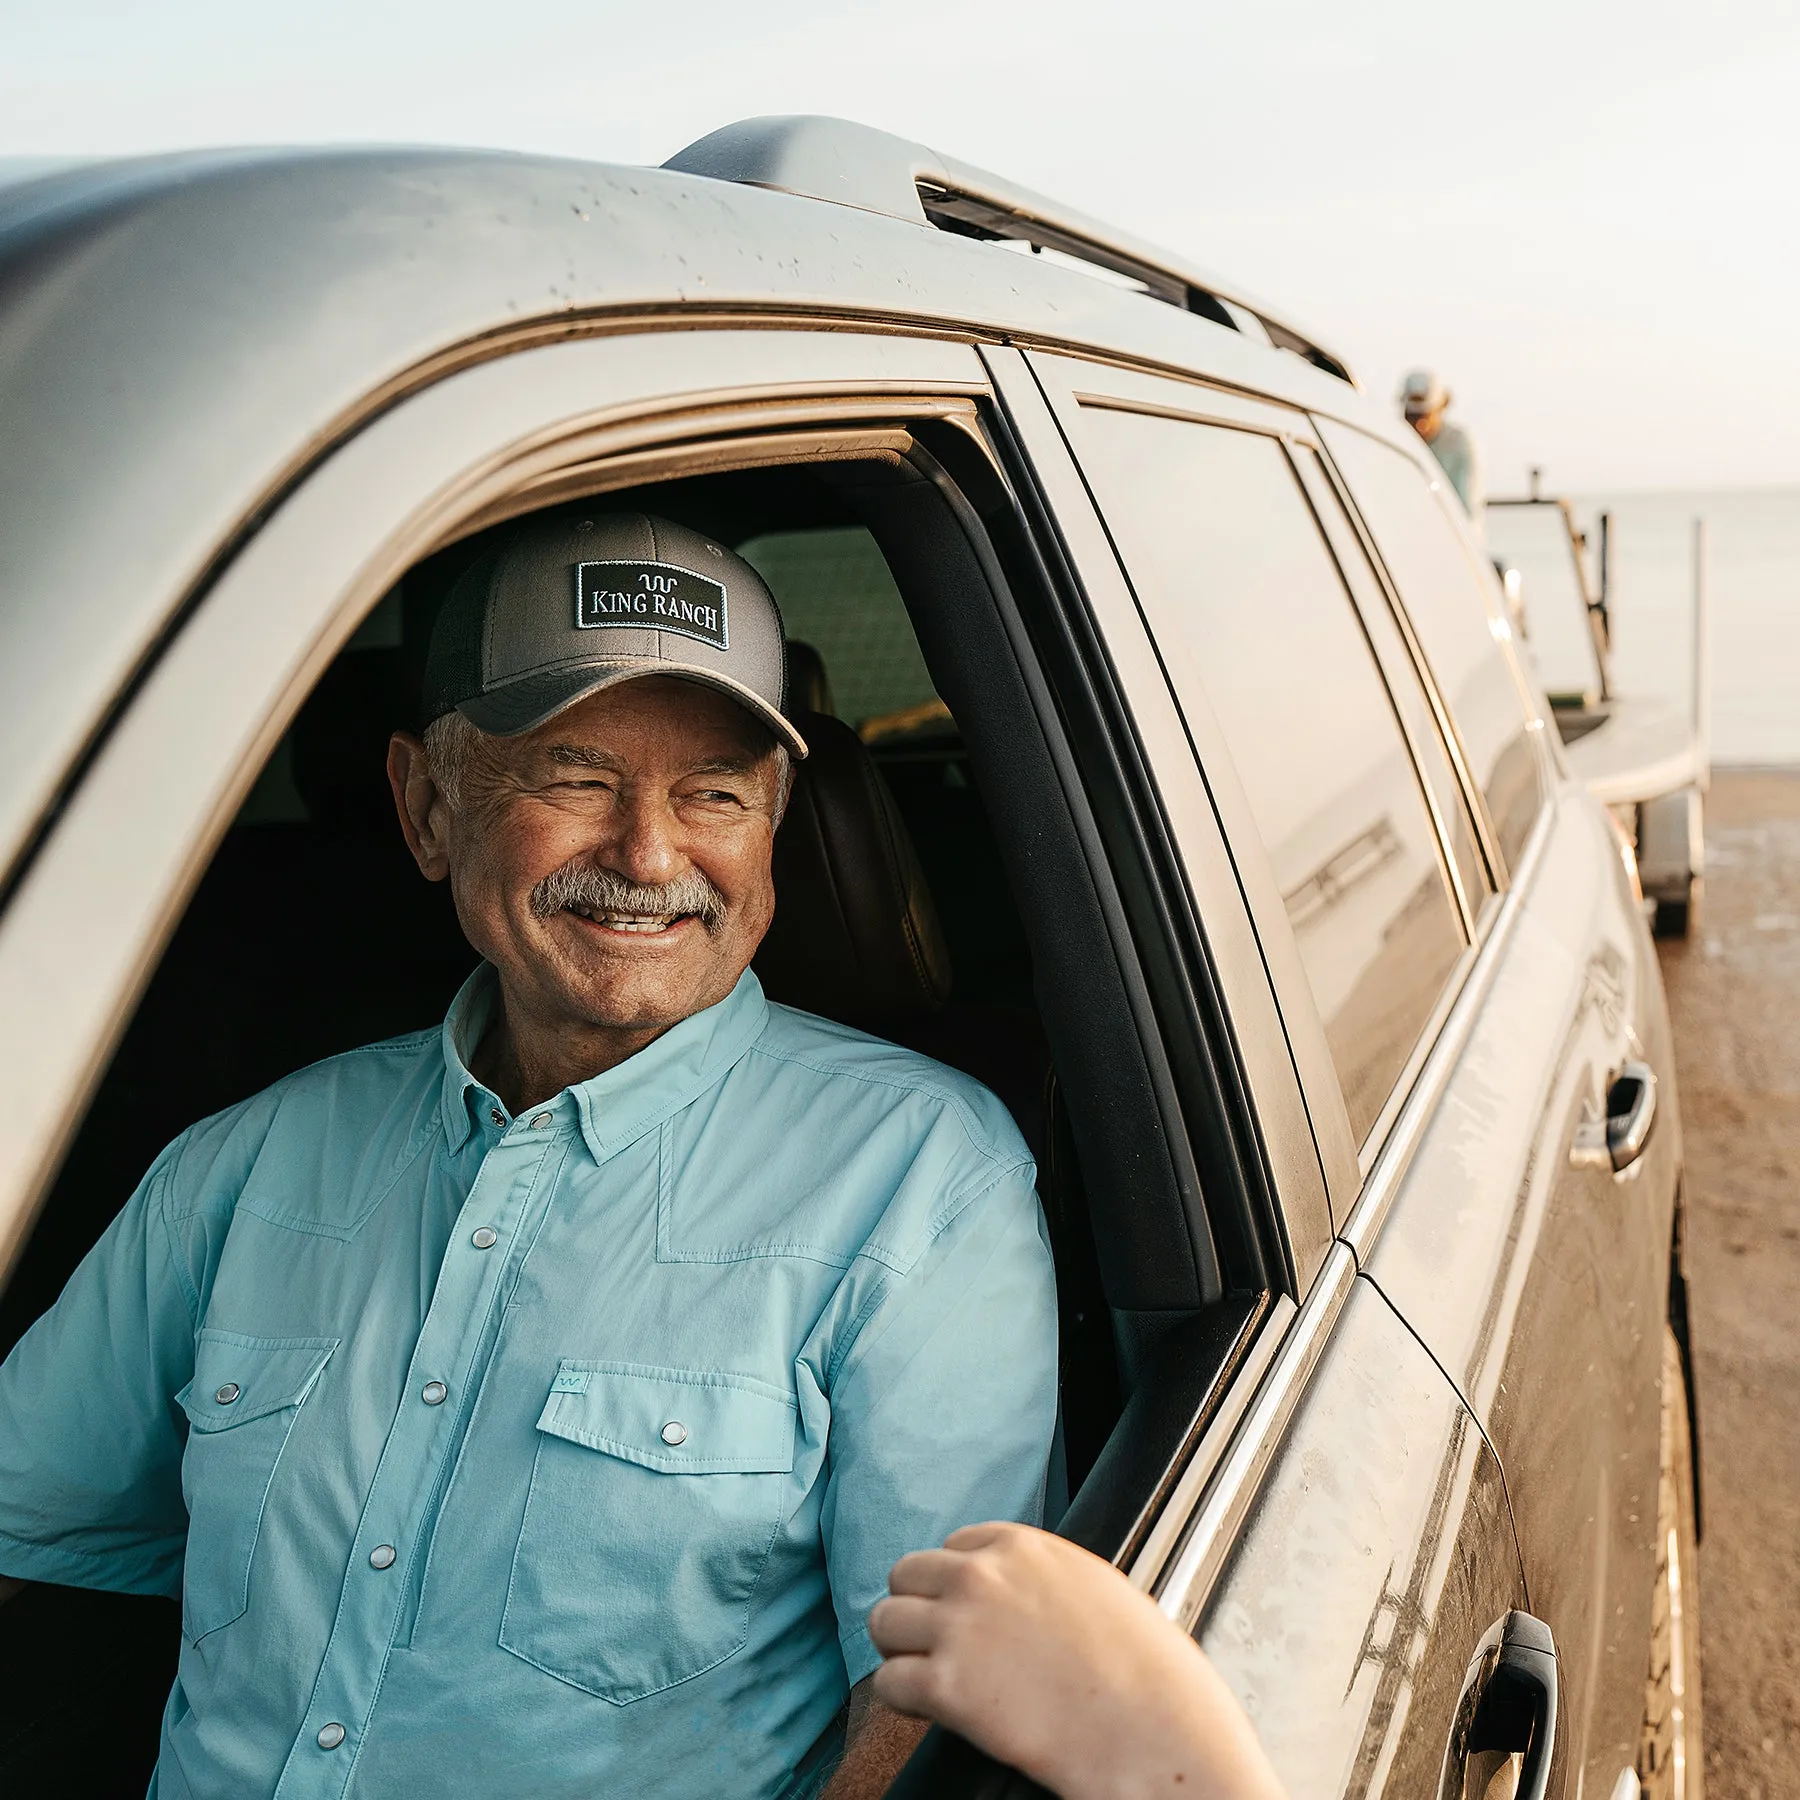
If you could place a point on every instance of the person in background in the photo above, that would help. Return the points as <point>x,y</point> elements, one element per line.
<point>1424,399</point>
<point>1050,1660</point>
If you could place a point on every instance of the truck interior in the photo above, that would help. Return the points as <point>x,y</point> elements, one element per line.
<point>969,865</point>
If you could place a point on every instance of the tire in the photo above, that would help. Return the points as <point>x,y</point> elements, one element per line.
<point>1671,1751</point>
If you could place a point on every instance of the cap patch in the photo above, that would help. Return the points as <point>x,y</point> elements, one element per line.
<point>650,595</point>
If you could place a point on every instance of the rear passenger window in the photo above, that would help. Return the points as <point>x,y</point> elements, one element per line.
<point>1448,606</point>
<point>837,595</point>
<point>1249,608</point>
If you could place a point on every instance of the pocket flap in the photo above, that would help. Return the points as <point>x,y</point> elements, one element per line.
<point>241,1378</point>
<point>683,1421</point>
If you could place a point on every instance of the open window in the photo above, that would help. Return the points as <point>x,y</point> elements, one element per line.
<point>970,865</point>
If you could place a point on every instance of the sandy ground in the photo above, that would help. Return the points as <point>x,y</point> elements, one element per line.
<point>1735,995</point>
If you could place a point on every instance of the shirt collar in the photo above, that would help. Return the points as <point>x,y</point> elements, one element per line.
<point>463,1025</point>
<point>635,1096</point>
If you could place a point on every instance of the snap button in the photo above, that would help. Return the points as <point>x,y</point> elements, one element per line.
<point>484,1237</point>
<point>674,1432</point>
<point>228,1393</point>
<point>382,1556</point>
<point>433,1393</point>
<point>542,1122</point>
<point>330,1736</point>
<point>496,1115</point>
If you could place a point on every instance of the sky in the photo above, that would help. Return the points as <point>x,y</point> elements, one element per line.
<point>1582,214</point>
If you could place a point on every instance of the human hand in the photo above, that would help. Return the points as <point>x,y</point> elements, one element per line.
<point>1047,1658</point>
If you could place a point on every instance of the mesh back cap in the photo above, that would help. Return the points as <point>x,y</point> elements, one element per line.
<point>564,607</point>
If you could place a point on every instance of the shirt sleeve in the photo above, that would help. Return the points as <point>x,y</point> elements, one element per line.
<point>90,1437</point>
<point>943,1411</point>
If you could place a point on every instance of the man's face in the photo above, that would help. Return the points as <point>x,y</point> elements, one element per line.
<point>1426,424</point>
<point>613,864</point>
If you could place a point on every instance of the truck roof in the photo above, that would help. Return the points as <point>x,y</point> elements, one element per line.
<point>182,335</point>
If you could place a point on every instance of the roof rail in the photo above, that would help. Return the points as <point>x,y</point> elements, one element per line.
<point>856,165</point>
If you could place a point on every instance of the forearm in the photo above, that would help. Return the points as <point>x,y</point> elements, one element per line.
<point>1048,1659</point>
<point>878,1742</point>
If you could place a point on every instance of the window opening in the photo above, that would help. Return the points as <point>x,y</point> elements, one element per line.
<point>311,931</point>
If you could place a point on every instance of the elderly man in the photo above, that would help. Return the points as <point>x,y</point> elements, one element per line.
<point>535,1406</point>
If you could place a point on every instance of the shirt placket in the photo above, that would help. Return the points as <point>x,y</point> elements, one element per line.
<point>493,1231</point>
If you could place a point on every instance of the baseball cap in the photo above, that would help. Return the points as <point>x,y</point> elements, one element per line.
<point>563,606</point>
<point>1422,392</point>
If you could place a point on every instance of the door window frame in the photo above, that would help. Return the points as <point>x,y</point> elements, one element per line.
<point>1068,385</point>
<point>486,442</point>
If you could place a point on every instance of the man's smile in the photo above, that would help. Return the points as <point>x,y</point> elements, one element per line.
<point>631,923</point>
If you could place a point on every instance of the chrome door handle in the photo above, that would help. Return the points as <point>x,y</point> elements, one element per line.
<point>1630,1112</point>
<point>1616,1141</point>
<point>1507,1710</point>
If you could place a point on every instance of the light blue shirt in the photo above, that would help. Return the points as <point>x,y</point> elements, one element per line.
<point>1458,457</point>
<point>557,1455</point>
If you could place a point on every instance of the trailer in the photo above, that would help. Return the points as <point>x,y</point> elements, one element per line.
<point>1647,757</point>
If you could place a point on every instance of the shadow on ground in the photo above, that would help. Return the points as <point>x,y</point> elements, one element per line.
<point>1734,991</point>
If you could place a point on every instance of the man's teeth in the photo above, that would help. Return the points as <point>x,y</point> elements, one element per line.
<point>617,921</point>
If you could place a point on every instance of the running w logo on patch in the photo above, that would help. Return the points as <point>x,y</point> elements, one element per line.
<point>650,596</point>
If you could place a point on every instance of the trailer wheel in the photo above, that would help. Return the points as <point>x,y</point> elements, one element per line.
<point>1671,853</point>
<point>1675,918</point>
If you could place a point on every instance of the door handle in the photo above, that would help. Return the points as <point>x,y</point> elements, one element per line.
<point>1616,1141</point>
<point>1630,1112</point>
<point>1507,1710</point>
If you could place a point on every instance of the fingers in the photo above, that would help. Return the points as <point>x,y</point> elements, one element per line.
<point>978,1537</point>
<point>932,1571</point>
<point>905,1625</point>
<point>905,1683</point>
<point>927,1572</point>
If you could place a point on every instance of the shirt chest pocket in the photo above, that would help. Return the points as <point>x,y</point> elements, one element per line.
<point>655,1499</point>
<point>241,1405</point>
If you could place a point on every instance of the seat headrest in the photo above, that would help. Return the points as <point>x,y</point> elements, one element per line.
<point>808,686</point>
<point>856,935</point>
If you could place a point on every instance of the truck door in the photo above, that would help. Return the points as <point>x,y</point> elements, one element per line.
<point>1536,1272</point>
<point>1341,1543</point>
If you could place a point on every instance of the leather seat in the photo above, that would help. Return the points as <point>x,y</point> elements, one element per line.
<point>856,935</point>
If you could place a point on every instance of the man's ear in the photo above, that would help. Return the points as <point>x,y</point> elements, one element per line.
<point>424,812</point>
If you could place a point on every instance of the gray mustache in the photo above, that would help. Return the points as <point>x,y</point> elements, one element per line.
<point>605,890</point>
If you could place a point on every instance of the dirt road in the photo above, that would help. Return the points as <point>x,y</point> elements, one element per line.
<point>1735,995</point>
